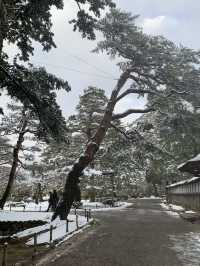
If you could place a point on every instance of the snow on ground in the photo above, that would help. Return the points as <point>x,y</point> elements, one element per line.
<point>88,204</point>
<point>187,247</point>
<point>172,207</point>
<point>42,206</point>
<point>13,216</point>
<point>98,206</point>
<point>172,210</point>
<point>172,213</point>
<point>31,213</point>
<point>190,211</point>
<point>60,230</point>
<point>26,206</point>
<point>151,197</point>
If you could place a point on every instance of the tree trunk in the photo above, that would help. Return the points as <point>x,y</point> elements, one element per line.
<point>71,189</point>
<point>3,22</point>
<point>14,167</point>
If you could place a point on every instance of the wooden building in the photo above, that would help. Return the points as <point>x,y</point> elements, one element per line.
<point>186,192</point>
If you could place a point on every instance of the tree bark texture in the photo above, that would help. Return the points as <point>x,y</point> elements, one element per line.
<point>71,190</point>
<point>13,170</point>
<point>3,22</point>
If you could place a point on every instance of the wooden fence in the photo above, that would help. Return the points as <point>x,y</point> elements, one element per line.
<point>4,257</point>
<point>185,193</point>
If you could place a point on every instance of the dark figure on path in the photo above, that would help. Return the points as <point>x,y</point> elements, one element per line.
<point>55,199</point>
<point>50,201</point>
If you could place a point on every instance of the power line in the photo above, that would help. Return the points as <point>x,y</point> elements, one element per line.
<point>75,70</point>
<point>89,64</point>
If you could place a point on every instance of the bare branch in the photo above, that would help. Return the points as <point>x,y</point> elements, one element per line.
<point>120,131</point>
<point>78,4</point>
<point>131,91</point>
<point>132,111</point>
<point>22,165</point>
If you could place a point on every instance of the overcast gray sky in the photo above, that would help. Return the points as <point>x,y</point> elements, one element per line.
<point>178,20</point>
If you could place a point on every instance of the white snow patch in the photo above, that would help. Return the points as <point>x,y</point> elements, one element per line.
<point>121,205</point>
<point>151,197</point>
<point>17,216</point>
<point>186,181</point>
<point>76,134</point>
<point>174,214</point>
<point>190,211</point>
<point>188,106</point>
<point>59,232</point>
<point>176,207</point>
<point>187,247</point>
<point>99,206</point>
<point>91,172</point>
<point>171,209</point>
<point>26,206</point>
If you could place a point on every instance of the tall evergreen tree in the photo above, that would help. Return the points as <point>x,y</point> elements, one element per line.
<point>20,123</point>
<point>22,22</point>
<point>150,63</point>
<point>40,97</point>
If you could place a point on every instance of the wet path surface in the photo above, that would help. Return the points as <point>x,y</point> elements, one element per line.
<point>141,235</point>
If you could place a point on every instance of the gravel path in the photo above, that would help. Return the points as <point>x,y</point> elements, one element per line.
<point>140,235</point>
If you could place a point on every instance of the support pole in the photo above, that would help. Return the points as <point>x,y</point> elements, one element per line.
<point>67,226</point>
<point>77,221</point>
<point>51,235</point>
<point>4,260</point>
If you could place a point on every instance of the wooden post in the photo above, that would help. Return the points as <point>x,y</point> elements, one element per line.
<point>75,210</point>
<point>67,226</point>
<point>35,243</point>
<point>77,221</point>
<point>87,216</point>
<point>51,234</point>
<point>90,214</point>
<point>85,213</point>
<point>34,248</point>
<point>4,260</point>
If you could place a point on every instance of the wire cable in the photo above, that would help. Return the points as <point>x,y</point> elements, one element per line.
<point>74,70</point>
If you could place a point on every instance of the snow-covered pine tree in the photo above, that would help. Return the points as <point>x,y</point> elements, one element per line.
<point>152,64</point>
<point>24,127</point>
<point>24,22</point>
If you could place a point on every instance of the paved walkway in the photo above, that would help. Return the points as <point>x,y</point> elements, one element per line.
<point>141,235</point>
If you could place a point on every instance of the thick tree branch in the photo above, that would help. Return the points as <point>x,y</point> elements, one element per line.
<point>137,137</point>
<point>132,111</point>
<point>71,190</point>
<point>131,91</point>
<point>120,131</point>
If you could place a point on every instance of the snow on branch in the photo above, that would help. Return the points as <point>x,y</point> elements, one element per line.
<point>132,111</point>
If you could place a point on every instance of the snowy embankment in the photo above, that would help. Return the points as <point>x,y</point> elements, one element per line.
<point>60,232</point>
<point>19,216</point>
<point>26,206</point>
<point>176,210</point>
<point>98,206</point>
<point>43,206</point>
<point>60,229</point>
<point>172,207</point>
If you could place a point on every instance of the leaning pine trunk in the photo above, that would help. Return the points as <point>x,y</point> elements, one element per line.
<point>14,167</point>
<point>71,190</point>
